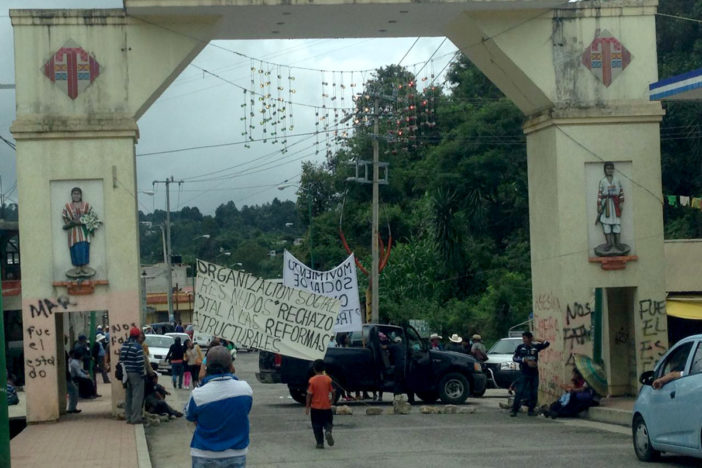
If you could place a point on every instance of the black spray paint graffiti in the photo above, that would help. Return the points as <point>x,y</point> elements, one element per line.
<point>622,336</point>
<point>44,308</point>
<point>577,311</point>
<point>577,335</point>
<point>119,333</point>
<point>653,317</point>
<point>653,324</point>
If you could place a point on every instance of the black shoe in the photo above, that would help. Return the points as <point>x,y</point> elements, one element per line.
<point>320,446</point>
<point>74,411</point>
<point>329,437</point>
<point>513,413</point>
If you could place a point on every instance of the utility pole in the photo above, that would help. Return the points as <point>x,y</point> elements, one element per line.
<point>169,272</point>
<point>362,176</point>
<point>375,316</point>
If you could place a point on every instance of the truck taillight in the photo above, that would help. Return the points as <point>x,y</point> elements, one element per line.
<point>277,360</point>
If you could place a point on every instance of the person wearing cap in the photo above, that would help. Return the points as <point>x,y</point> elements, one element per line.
<point>132,358</point>
<point>220,408</point>
<point>98,353</point>
<point>527,355</point>
<point>435,342</point>
<point>478,349</point>
<point>455,343</point>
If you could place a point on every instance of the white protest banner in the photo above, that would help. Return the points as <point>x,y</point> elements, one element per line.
<point>258,313</point>
<point>340,282</point>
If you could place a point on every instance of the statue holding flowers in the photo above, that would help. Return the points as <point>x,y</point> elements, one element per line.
<point>80,222</point>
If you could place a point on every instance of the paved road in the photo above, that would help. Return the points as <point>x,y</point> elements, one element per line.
<point>281,435</point>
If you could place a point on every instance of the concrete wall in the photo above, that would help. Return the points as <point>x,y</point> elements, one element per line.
<point>682,265</point>
<point>88,139</point>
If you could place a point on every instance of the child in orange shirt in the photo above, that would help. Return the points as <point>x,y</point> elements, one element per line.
<point>318,398</point>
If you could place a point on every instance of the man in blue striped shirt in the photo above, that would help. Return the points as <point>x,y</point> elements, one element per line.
<point>220,407</point>
<point>132,357</point>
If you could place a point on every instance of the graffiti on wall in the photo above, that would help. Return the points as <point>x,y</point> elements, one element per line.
<point>39,338</point>
<point>653,320</point>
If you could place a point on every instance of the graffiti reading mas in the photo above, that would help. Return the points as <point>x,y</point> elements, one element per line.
<point>258,313</point>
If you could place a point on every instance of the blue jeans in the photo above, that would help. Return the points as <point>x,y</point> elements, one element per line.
<point>177,374</point>
<point>527,389</point>
<point>231,462</point>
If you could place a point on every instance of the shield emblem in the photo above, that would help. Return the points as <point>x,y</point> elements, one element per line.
<point>606,57</point>
<point>72,69</point>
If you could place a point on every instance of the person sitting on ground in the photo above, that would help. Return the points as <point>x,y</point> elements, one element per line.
<point>435,342</point>
<point>578,397</point>
<point>155,398</point>
<point>455,343</point>
<point>86,389</point>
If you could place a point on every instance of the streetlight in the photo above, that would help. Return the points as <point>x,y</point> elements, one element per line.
<point>309,212</point>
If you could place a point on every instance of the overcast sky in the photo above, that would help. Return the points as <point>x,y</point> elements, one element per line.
<point>200,109</point>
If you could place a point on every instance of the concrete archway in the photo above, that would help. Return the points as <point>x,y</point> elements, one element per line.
<point>578,71</point>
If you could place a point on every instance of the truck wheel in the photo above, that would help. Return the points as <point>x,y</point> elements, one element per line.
<point>428,397</point>
<point>298,394</point>
<point>454,388</point>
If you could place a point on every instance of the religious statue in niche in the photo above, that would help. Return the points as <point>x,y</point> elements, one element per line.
<point>80,223</point>
<point>610,201</point>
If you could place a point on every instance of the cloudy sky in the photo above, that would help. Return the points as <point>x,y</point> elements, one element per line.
<point>200,130</point>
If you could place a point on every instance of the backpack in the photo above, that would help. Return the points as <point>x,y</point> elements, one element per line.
<point>119,371</point>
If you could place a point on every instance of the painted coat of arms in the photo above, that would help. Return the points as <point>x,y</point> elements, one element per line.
<point>72,69</point>
<point>606,57</point>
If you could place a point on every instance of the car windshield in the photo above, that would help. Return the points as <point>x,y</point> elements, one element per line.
<point>154,341</point>
<point>505,346</point>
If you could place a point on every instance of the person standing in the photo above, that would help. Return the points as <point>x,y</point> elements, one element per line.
<point>435,342</point>
<point>318,404</point>
<point>193,356</point>
<point>71,388</point>
<point>478,349</point>
<point>132,358</point>
<point>527,355</point>
<point>176,356</point>
<point>455,343</point>
<point>99,353</point>
<point>219,407</point>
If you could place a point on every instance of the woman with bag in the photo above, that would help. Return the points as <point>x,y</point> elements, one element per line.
<point>193,356</point>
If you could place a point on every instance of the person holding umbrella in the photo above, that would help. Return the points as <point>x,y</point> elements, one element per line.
<point>527,355</point>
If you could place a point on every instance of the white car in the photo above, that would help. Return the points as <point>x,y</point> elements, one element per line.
<point>202,339</point>
<point>182,335</point>
<point>158,348</point>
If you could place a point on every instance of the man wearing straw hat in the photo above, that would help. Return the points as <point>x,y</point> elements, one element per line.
<point>478,349</point>
<point>435,342</point>
<point>455,343</point>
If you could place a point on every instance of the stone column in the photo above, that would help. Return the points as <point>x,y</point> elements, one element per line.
<point>83,78</point>
<point>580,74</point>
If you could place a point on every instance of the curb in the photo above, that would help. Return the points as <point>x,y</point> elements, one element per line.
<point>142,449</point>
<point>619,417</point>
